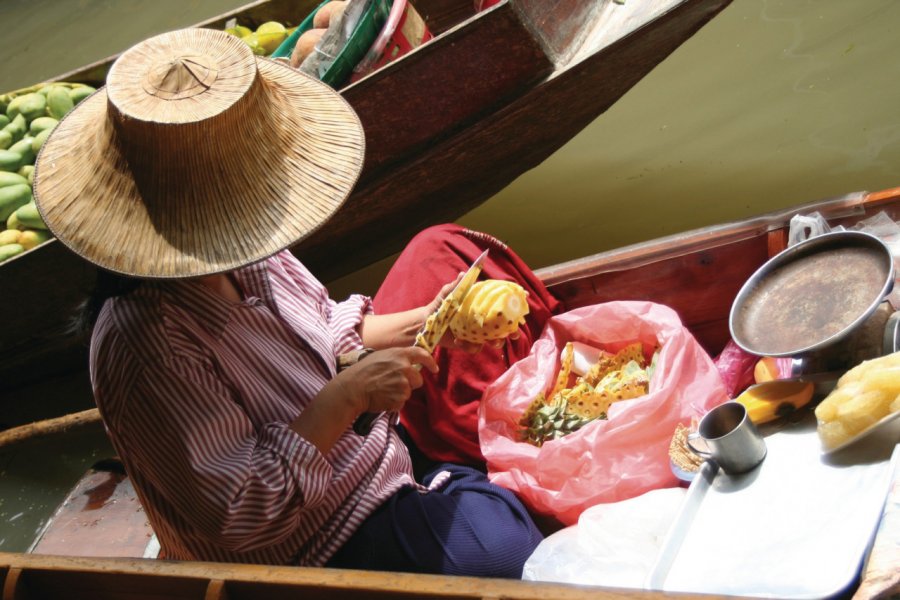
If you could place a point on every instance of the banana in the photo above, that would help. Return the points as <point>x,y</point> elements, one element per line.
<point>773,399</point>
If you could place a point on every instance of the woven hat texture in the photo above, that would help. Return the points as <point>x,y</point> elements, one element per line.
<point>197,157</point>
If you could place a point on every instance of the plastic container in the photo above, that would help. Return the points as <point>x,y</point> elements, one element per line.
<point>403,31</point>
<point>362,38</point>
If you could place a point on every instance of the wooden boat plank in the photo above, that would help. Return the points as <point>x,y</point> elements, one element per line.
<point>76,578</point>
<point>413,102</point>
<point>105,504</point>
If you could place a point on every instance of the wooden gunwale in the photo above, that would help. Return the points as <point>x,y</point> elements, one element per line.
<point>27,576</point>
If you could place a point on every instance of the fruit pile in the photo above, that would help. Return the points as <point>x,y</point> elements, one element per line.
<point>265,40</point>
<point>26,119</point>
<point>567,408</point>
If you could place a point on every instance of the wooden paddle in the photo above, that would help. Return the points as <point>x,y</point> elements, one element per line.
<point>21,433</point>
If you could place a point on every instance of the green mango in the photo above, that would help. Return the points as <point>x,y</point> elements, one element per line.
<point>6,140</point>
<point>39,140</point>
<point>12,109</point>
<point>12,198</point>
<point>40,124</point>
<point>77,94</point>
<point>4,121</point>
<point>10,250</point>
<point>23,147</point>
<point>13,223</point>
<point>27,172</point>
<point>29,216</point>
<point>17,128</point>
<point>33,237</point>
<point>31,106</point>
<point>12,179</point>
<point>10,161</point>
<point>58,102</point>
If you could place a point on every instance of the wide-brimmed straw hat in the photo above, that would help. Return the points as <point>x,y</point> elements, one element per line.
<point>196,158</point>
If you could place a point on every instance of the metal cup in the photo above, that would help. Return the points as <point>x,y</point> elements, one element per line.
<point>733,441</point>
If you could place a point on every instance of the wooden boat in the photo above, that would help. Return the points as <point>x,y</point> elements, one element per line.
<point>447,126</point>
<point>697,273</point>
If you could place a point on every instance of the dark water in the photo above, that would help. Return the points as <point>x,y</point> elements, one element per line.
<point>774,103</point>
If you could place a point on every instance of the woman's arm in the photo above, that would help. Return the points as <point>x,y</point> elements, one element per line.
<point>393,330</point>
<point>400,329</point>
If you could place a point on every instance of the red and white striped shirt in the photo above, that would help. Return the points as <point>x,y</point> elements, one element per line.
<point>197,394</point>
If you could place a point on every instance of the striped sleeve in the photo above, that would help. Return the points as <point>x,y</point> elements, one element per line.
<point>345,319</point>
<point>240,488</point>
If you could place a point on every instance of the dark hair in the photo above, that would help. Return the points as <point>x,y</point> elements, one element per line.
<point>106,285</point>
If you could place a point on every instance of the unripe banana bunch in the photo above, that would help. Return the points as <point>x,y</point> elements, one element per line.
<point>492,310</point>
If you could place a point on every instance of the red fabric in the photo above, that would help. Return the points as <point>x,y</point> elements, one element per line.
<point>442,416</point>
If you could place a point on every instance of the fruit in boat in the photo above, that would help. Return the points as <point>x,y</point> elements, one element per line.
<point>10,250</point>
<point>11,179</point>
<point>766,369</point>
<point>492,310</point>
<point>10,161</point>
<point>40,124</point>
<point>305,45</point>
<point>38,141</point>
<point>543,421</point>
<point>30,106</point>
<point>13,197</point>
<point>23,148</point>
<point>9,236</point>
<point>58,102</point>
<point>79,93</point>
<point>270,35</point>
<point>239,31</point>
<point>864,395</point>
<point>17,127</point>
<point>775,399</point>
<point>614,378</point>
<point>29,216</point>
<point>326,13</point>
<point>30,238</point>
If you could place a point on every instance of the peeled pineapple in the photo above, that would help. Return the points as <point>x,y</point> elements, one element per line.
<point>863,396</point>
<point>492,310</point>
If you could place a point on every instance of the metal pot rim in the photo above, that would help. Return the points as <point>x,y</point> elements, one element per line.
<point>834,239</point>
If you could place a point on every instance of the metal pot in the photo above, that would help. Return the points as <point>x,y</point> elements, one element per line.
<point>812,295</point>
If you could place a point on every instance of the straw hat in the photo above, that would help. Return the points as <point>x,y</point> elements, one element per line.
<point>197,157</point>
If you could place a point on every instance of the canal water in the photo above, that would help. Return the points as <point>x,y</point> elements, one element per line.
<point>774,103</point>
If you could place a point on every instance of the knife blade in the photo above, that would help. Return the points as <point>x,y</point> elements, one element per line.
<point>434,328</point>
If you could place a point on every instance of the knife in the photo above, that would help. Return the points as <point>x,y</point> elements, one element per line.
<point>434,328</point>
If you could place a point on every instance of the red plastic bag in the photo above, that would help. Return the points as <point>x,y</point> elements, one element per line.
<point>606,460</point>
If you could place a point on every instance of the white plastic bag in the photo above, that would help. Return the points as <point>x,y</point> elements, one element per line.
<point>612,544</point>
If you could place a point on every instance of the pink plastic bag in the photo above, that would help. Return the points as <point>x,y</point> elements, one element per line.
<point>736,368</point>
<point>607,460</point>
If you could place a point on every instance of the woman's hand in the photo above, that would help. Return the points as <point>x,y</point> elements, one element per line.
<point>381,382</point>
<point>384,380</point>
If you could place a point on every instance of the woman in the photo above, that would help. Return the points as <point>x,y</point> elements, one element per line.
<point>217,374</point>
